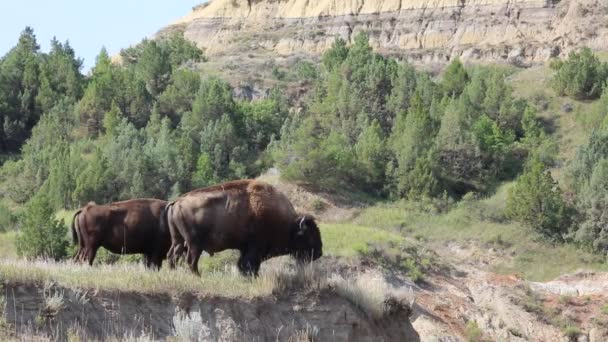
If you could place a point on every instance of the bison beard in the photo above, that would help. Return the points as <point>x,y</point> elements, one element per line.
<point>129,227</point>
<point>248,215</point>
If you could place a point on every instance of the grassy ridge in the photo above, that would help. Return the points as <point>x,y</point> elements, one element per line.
<point>482,221</point>
<point>219,277</point>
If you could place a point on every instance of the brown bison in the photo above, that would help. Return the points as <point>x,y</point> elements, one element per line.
<point>247,215</point>
<point>128,227</point>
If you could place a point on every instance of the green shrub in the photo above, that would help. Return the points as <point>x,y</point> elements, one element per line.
<point>278,74</point>
<point>317,205</point>
<point>41,234</point>
<point>536,200</point>
<point>572,332</point>
<point>472,332</point>
<point>581,75</point>
<point>588,177</point>
<point>455,78</point>
<point>306,70</point>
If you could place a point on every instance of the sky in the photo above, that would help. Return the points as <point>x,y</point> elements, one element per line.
<point>88,25</point>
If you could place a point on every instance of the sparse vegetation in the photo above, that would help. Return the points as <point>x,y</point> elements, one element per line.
<point>472,332</point>
<point>317,205</point>
<point>4,327</point>
<point>481,221</point>
<point>187,327</point>
<point>404,257</point>
<point>369,292</point>
<point>572,332</point>
<point>53,301</point>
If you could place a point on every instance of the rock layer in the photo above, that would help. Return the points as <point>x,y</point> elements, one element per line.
<point>423,30</point>
<point>102,315</point>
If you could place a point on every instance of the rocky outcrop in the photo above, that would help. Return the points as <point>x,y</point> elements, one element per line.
<point>101,315</point>
<point>423,30</point>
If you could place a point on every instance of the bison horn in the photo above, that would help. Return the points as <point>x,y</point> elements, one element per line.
<point>303,225</point>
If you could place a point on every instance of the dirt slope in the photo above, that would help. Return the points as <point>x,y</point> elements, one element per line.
<point>102,315</point>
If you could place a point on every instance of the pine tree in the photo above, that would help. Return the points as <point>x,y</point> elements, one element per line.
<point>455,78</point>
<point>334,57</point>
<point>536,200</point>
<point>112,119</point>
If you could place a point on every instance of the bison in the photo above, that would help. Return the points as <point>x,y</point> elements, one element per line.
<point>248,215</point>
<point>127,227</point>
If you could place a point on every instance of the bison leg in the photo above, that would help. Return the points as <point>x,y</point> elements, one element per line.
<point>148,260</point>
<point>90,254</point>
<point>158,262</point>
<point>249,263</point>
<point>170,257</point>
<point>175,253</point>
<point>153,261</point>
<point>193,256</point>
<point>78,255</point>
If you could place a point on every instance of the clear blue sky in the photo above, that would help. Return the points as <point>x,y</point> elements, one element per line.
<point>88,25</point>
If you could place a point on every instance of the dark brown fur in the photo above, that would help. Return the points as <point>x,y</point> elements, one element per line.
<point>247,215</point>
<point>129,227</point>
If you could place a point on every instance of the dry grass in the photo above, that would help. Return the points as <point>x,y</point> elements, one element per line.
<point>371,293</point>
<point>135,278</point>
<point>7,244</point>
<point>188,327</point>
<point>53,300</point>
<point>368,292</point>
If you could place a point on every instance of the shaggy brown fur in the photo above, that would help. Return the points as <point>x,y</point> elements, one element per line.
<point>129,227</point>
<point>247,215</point>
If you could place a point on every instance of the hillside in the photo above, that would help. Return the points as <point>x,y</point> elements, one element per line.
<point>463,204</point>
<point>426,31</point>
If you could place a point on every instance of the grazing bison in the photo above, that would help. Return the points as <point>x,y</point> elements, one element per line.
<point>128,227</point>
<point>247,215</point>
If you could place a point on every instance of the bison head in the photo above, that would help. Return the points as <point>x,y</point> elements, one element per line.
<point>305,244</point>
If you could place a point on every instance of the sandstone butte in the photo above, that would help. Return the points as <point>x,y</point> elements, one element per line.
<point>423,30</point>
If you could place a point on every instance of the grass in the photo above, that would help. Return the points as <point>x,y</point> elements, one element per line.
<point>570,129</point>
<point>483,222</point>
<point>365,292</point>
<point>219,275</point>
<point>572,332</point>
<point>7,244</point>
<point>134,278</point>
<point>350,240</point>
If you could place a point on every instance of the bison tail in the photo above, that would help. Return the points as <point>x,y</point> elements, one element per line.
<point>75,235</point>
<point>164,225</point>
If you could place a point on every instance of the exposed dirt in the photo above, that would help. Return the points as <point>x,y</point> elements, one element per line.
<point>318,314</point>
<point>504,307</point>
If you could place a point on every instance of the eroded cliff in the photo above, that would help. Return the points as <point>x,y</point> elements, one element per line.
<point>517,31</point>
